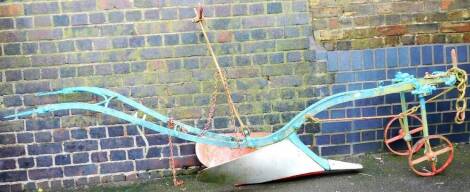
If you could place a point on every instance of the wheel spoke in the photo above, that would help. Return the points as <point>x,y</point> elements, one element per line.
<point>393,139</point>
<point>420,160</point>
<point>433,166</point>
<point>416,130</point>
<point>442,151</point>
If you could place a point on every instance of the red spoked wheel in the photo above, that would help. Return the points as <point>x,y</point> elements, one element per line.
<point>389,140</point>
<point>433,161</point>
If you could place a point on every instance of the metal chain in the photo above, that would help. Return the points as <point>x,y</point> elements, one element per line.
<point>212,105</point>
<point>461,102</point>
<point>176,181</point>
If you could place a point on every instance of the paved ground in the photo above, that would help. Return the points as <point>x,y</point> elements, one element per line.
<point>382,172</point>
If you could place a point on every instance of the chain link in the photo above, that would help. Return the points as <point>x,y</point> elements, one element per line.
<point>212,105</point>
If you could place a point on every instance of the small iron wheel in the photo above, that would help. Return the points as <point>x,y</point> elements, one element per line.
<point>389,138</point>
<point>433,161</point>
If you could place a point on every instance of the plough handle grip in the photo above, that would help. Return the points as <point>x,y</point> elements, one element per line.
<point>453,56</point>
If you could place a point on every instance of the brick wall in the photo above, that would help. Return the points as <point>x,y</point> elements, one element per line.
<point>142,49</point>
<point>359,24</point>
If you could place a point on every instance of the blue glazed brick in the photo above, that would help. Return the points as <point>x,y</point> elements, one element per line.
<point>275,7</point>
<point>332,127</point>
<point>80,158</point>
<point>276,58</point>
<point>120,42</point>
<point>332,61</point>
<point>44,148</point>
<point>258,34</point>
<point>338,139</point>
<point>29,48</point>
<point>113,143</point>
<point>137,41</point>
<point>185,13</point>
<point>83,145</point>
<point>171,39</point>
<point>118,155</point>
<point>11,164</point>
<point>61,135</point>
<point>380,58</point>
<point>14,100</point>
<point>61,20</point>
<point>47,47</point>
<point>31,74</point>
<point>237,10</point>
<point>79,134</point>
<point>6,23</point>
<point>133,15</point>
<point>154,14</point>
<point>65,46</point>
<point>115,17</point>
<point>84,44</point>
<point>62,160</point>
<point>25,137</point>
<point>368,59</point>
<point>367,124</point>
<point>189,38</point>
<point>12,49</point>
<point>116,131</point>
<point>138,66</point>
<point>121,68</point>
<point>116,167</point>
<point>154,40</point>
<point>68,72</point>
<point>353,137</point>
<point>22,163</point>
<point>79,19</point>
<point>403,56</point>
<point>242,36</point>
<point>367,147</point>
<point>97,18</point>
<point>97,157</point>
<point>80,170</point>
<point>427,55</point>
<point>392,57</point>
<point>222,10</point>
<point>151,164</point>
<point>369,111</point>
<point>415,54</point>
<point>438,54</point>
<point>43,161</point>
<point>368,135</point>
<point>344,63</point>
<point>294,57</point>
<point>169,13</point>
<point>462,54</point>
<point>41,137</point>
<point>14,75</point>
<point>335,150</point>
<point>344,77</point>
<point>42,21</point>
<point>356,60</point>
<point>154,152</point>
<point>256,9</point>
<point>24,22</point>
<point>135,154</point>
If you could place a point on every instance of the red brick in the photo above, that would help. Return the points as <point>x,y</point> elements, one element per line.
<point>392,30</point>
<point>113,4</point>
<point>466,37</point>
<point>224,36</point>
<point>11,10</point>
<point>455,27</point>
<point>445,4</point>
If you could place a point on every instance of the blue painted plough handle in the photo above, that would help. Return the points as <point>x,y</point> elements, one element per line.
<point>211,137</point>
<point>193,133</point>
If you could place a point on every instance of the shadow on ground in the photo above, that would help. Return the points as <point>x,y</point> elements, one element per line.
<point>382,172</point>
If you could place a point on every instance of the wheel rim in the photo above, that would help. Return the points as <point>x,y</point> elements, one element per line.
<point>429,163</point>
<point>390,140</point>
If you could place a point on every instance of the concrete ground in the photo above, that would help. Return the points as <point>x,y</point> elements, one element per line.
<point>382,172</point>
